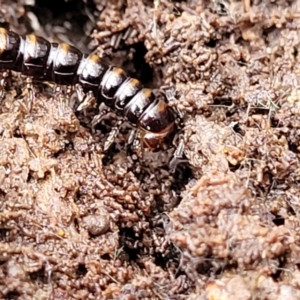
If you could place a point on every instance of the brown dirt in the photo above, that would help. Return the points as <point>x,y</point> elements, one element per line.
<point>76,223</point>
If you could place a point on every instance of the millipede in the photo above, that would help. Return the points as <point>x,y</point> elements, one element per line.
<point>64,64</point>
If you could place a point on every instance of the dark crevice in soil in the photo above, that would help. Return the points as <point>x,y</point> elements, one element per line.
<point>106,256</point>
<point>59,13</point>
<point>39,275</point>
<point>143,71</point>
<point>211,43</point>
<point>182,175</point>
<point>12,296</point>
<point>222,101</point>
<point>278,220</point>
<point>4,232</point>
<point>127,240</point>
<point>280,269</point>
<point>81,270</point>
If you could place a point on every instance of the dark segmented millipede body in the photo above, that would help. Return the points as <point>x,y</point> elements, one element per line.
<point>66,65</point>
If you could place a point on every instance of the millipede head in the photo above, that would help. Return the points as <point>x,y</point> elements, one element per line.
<point>157,140</point>
<point>157,125</point>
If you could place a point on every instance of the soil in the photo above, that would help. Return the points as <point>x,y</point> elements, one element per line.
<point>80,223</point>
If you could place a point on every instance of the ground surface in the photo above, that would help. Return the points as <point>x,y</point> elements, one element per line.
<point>77,224</point>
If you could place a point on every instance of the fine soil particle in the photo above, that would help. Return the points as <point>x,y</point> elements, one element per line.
<point>80,223</point>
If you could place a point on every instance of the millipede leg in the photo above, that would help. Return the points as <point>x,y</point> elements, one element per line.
<point>132,136</point>
<point>29,92</point>
<point>69,93</point>
<point>80,93</point>
<point>85,100</point>
<point>134,142</point>
<point>112,135</point>
<point>178,155</point>
<point>103,110</point>
<point>88,101</point>
<point>3,83</point>
<point>137,146</point>
<point>58,94</point>
<point>63,94</point>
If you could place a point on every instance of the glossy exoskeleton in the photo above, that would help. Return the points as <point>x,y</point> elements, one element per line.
<point>66,65</point>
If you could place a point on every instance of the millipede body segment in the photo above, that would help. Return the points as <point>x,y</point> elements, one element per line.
<point>66,65</point>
